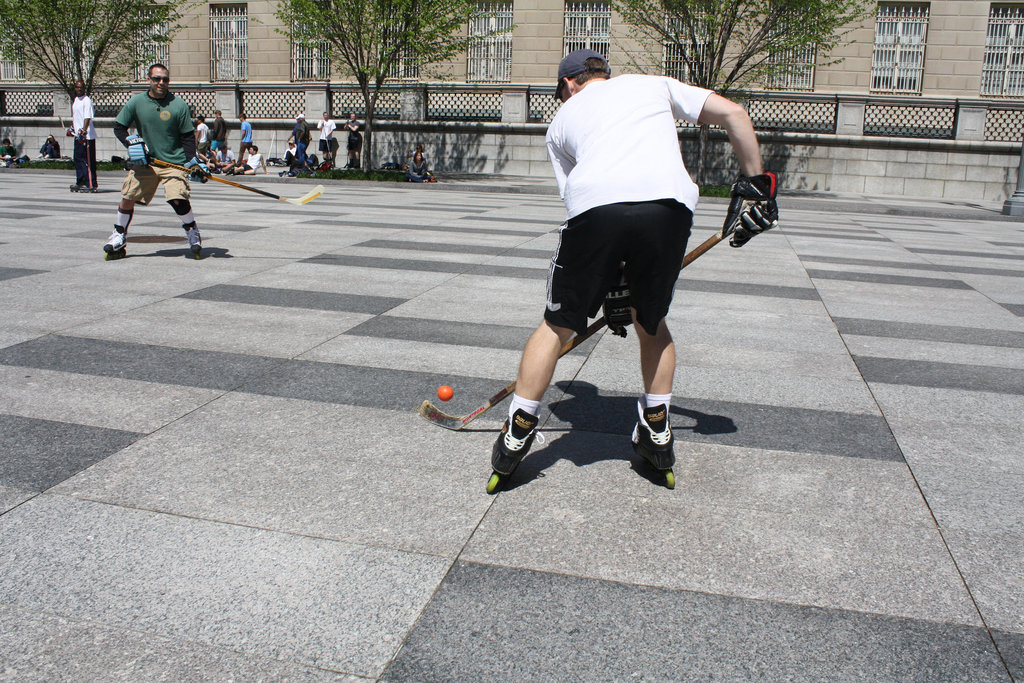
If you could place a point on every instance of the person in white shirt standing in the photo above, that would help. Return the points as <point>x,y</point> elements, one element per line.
<point>326,127</point>
<point>202,136</point>
<point>85,141</point>
<point>630,201</point>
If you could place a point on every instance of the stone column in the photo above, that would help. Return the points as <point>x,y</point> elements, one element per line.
<point>515,107</point>
<point>227,102</point>
<point>317,102</point>
<point>970,122</point>
<point>414,104</point>
<point>850,116</point>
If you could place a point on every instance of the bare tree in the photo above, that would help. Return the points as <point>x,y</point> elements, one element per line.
<point>99,42</point>
<point>375,39</point>
<point>726,45</point>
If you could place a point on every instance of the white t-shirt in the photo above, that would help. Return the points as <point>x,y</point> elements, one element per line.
<point>224,154</point>
<point>615,141</point>
<point>204,133</point>
<point>81,109</point>
<point>326,128</point>
<point>253,160</point>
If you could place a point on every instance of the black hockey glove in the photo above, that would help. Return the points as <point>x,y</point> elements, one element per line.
<point>617,313</point>
<point>763,214</point>
<point>198,170</point>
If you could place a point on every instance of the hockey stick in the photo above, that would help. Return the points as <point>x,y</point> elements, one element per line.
<point>304,199</point>
<point>431,413</point>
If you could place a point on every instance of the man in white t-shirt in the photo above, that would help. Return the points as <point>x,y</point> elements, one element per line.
<point>85,141</point>
<point>202,136</point>
<point>630,201</point>
<point>326,127</point>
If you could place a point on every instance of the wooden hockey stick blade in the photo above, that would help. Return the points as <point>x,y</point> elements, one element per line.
<point>308,197</point>
<point>431,413</point>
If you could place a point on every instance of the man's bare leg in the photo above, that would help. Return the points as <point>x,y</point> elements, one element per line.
<point>537,366</point>
<point>657,358</point>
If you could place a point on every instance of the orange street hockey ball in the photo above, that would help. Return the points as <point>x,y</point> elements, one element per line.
<point>445,392</point>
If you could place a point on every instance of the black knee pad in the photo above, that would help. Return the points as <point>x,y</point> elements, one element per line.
<point>180,206</point>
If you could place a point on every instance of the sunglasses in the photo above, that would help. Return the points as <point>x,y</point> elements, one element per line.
<point>160,79</point>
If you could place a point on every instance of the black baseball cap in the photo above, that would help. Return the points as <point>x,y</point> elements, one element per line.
<point>575,63</point>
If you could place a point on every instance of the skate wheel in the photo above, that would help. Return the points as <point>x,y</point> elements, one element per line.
<point>493,483</point>
<point>670,479</point>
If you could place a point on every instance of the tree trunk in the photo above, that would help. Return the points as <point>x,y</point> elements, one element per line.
<point>370,101</point>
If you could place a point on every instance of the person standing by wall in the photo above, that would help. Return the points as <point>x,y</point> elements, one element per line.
<point>218,132</point>
<point>82,113</point>
<point>246,136</point>
<point>326,127</point>
<point>355,141</point>
<point>202,136</point>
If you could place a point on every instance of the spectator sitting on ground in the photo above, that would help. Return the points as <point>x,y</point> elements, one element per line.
<point>223,159</point>
<point>252,161</point>
<point>416,171</point>
<point>50,148</point>
<point>8,152</point>
<point>289,156</point>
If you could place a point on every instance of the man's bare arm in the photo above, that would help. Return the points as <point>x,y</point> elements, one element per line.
<point>732,118</point>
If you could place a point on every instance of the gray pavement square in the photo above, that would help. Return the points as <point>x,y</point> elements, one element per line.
<point>215,469</point>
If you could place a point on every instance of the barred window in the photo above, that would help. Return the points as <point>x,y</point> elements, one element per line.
<point>901,32</point>
<point>229,47</point>
<point>490,57</point>
<point>310,63</point>
<point>1002,73</point>
<point>405,67</point>
<point>12,71</point>
<point>676,48</point>
<point>587,25</point>
<point>793,69</point>
<point>149,51</point>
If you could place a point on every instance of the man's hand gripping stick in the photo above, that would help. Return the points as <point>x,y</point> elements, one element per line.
<point>761,213</point>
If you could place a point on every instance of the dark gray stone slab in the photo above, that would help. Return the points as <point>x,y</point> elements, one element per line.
<point>456,248</point>
<point>884,279</point>
<point>926,332</point>
<point>941,375</point>
<point>1016,309</point>
<point>508,219</point>
<point>11,273</point>
<point>452,332</point>
<point>354,385</point>
<point>296,298</point>
<point>835,235</point>
<point>431,228</point>
<point>729,423</point>
<point>994,254</point>
<point>428,266</point>
<point>748,289</point>
<point>488,623</point>
<point>19,216</point>
<point>903,265</point>
<point>37,454</point>
<point>1011,647</point>
<point>186,367</point>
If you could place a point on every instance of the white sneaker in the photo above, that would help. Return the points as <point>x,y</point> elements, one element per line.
<point>115,243</point>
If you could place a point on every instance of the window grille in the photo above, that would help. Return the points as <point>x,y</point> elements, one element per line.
<point>311,63</point>
<point>79,67</point>
<point>229,48</point>
<point>900,35</point>
<point>587,25</point>
<point>793,69</point>
<point>676,47</point>
<point>1002,72</point>
<point>490,57</point>
<point>149,51</point>
<point>405,67</point>
<point>12,71</point>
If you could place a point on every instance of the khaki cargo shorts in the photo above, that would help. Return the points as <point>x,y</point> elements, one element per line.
<point>141,183</point>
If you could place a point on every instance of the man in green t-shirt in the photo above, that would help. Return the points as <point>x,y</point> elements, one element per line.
<point>164,131</point>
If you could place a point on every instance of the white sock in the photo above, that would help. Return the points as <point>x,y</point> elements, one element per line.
<point>187,219</point>
<point>123,219</point>
<point>651,400</point>
<point>532,407</point>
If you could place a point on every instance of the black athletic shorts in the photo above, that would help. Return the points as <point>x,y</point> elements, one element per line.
<point>649,237</point>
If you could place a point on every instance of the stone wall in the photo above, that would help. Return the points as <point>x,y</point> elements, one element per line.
<point>953,169</point>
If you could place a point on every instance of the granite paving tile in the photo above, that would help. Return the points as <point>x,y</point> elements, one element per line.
<point>303,600</point>
<point>913,265</point>
<point>912,406</point>
<point>293,298</point>
<point>887,279</point>
<point>36,454</point>
<point>429,266</point>
<point>967,497</point>
<point>11,273</point>
<point>881,566</point>
<point>1011,648</point>
<point>993,568</point>
<point>507,624</point>
<point>935,352</point>
<point>10,497</point>
<point>108,402</point>
<point>41,648</point>
<point>940,333</point>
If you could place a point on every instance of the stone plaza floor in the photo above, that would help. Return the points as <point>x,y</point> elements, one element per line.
<point>214,470</point>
